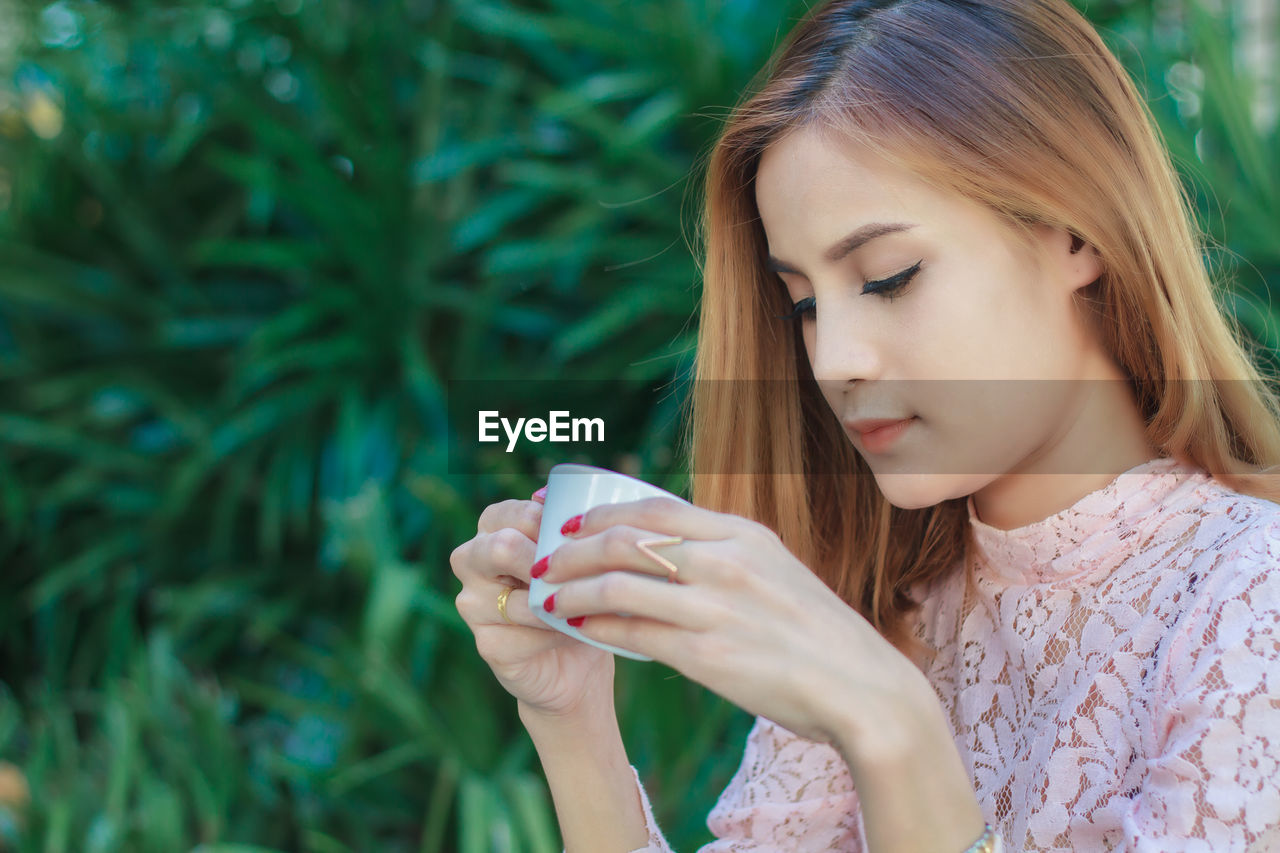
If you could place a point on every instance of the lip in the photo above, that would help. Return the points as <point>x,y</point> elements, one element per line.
<point>878,434</point>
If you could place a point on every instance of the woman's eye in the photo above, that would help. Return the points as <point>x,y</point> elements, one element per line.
<point>890,287</point>
<point>798,310</point>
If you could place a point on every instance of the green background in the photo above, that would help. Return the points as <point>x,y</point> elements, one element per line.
<point>243,248</point>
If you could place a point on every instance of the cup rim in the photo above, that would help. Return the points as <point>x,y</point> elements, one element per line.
<point>594,469</point>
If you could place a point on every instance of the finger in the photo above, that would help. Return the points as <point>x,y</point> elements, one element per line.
<point>662,515</point>
<point>503,644</point>
<point>540,495</point>
<point>639,597</point>
<point>525,516</point>
<point>616,548</point>
<point>478,605</point>
<point>661,641</point>
<point>504,556</point>
<point>518,610</point>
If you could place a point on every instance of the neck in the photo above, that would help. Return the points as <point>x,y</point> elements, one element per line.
<point>1106,437</point>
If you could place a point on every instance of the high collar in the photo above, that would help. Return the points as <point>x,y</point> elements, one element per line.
<point>1084,534</point>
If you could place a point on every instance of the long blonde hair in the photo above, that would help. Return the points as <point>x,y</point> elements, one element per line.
<point>1016,104</point>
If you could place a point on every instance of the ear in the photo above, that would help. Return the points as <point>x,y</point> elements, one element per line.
<point>1076,261</point>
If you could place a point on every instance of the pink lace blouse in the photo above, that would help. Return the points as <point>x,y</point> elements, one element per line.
<point>1112,677</point>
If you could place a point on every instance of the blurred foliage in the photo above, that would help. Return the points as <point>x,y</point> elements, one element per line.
<point>244,245</point>
<point>1212,80</point>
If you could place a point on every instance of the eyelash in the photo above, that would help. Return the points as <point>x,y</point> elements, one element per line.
<point>889,288</point>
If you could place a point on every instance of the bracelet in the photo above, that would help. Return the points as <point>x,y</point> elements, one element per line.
<point>988,842</point>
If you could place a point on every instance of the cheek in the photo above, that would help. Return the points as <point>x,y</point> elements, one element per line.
<point>981,329</point>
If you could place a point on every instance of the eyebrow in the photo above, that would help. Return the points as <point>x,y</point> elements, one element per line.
<point>854,240</point>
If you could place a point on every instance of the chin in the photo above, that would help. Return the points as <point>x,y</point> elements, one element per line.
<point>918,491</point>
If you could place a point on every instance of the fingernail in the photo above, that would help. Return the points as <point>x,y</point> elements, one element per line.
<point>540,568</point>
<point>577,621</point>
<point>550,604</point>
<point>540,494</point>
<point>571,526</point>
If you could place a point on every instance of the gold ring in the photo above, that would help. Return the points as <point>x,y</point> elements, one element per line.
<point>502,604</point>
<point>645,544</point>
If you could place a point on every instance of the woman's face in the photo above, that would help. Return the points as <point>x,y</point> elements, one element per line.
<point>936,314</point>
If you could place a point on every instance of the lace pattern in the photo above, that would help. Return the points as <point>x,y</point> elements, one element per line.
<point>1111,675</point>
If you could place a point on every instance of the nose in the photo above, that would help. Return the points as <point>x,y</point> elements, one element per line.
<point>841,347</point>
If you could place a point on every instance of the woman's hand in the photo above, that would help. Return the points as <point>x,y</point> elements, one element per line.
<point>745,617</point>
<point>549,672</point>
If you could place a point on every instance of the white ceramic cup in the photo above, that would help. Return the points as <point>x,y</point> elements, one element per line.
<point>573,489</point>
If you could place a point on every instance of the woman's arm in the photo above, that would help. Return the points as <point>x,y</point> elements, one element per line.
<point>591,781</point>
<point>913,787</point>
<point>754,624</point>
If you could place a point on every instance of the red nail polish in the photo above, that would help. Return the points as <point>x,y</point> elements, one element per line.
<point>550,604</point>
<point>540,568</point>
<point>577,621</point>
<point>571,526</point>
<point>541,493</point>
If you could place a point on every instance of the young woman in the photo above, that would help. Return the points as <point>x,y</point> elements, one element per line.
<point>990,547</point>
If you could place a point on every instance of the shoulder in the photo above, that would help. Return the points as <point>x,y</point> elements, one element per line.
<point>1213,527</point>
<point>1228,592</point>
